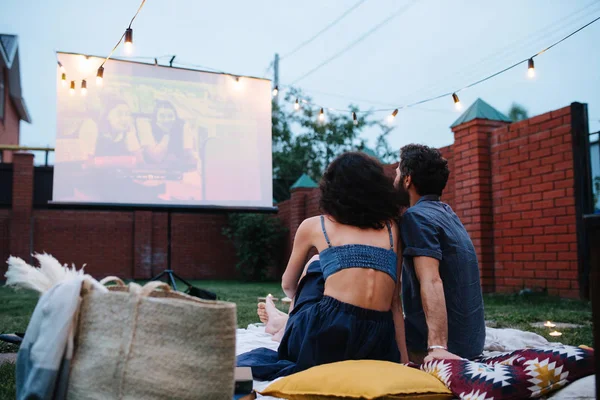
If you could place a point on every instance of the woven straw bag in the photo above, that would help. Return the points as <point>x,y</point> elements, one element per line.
<point>143,343</point>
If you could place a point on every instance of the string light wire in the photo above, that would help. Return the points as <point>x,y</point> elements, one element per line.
<point>123,35</point>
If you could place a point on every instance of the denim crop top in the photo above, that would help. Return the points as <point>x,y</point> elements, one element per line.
<point>336,258</point>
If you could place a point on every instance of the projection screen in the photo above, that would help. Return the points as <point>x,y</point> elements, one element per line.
<point>155,135</point>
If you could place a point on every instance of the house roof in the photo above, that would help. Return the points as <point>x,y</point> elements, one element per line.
<point>304,181</point>
<point>9,57</point>
<point>480,110</point>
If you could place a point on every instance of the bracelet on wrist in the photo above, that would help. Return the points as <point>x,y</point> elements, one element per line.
<point>430,348</point>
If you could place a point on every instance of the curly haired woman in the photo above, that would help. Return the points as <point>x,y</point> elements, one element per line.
<point>346,301</point>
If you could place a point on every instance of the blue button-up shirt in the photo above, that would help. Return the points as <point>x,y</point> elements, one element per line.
<point>430,228</point>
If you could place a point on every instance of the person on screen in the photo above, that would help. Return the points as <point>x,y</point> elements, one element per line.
<point>114,134</point>
<point>166,140</point>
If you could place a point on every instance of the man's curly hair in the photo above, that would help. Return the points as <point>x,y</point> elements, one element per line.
<point>427,168</point>
<point>355,191</point>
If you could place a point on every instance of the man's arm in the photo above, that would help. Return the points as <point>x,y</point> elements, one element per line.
<point>434,306</point>
<point>398,313</point>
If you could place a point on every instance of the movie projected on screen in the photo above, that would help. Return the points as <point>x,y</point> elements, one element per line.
<point>155,135</point>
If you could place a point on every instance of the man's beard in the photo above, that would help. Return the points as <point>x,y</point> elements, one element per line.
<point>403,197</point>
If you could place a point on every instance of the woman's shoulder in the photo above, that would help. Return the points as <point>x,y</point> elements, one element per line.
<point>311,223</point>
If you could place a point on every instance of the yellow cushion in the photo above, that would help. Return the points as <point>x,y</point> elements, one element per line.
<point>361,379</point>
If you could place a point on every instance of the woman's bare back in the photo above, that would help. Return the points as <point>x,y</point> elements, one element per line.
<point>362,287</point>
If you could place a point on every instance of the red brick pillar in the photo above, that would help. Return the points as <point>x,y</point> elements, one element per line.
<point>473,190</point>
<point>22,206</point>
<point>142,244</point>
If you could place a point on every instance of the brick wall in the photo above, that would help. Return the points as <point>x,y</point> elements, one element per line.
<point>534,205</point>
<point>9,125</point>
<point>123,243</point>
<point>101,239</point>
<point>512,185</point>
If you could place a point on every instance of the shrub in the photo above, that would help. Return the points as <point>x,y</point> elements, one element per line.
<point>258,241</point>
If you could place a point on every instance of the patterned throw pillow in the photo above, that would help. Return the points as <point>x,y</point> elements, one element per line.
<point>521,374</point>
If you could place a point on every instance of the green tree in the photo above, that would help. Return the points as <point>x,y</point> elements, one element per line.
<point>303,144</point>
<point>517,112</point>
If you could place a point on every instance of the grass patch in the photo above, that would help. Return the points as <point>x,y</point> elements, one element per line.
<point>7,381</point>
<point>514,311</point>
<point>507,311</point>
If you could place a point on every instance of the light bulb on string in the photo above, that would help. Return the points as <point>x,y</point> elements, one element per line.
<point>530,68</point>
<point>354,118</point>
<point>457,104</point>
<point>322,115</point>
<point>392,116</point>
<point>275,91</point>
<point>84,64</point>
<point>100,76</point>
<point>83,88</point>
<point>237,83</point>
<point>297,105</point>
<point>128,41</point>
<point>64,79</point>
<point>72,88</point>
<point>62,67</point>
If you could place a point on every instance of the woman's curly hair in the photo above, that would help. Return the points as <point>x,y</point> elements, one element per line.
<point>355,191</point>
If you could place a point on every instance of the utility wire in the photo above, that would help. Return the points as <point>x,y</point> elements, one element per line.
<point>395,14</point>
<point>329,26</point>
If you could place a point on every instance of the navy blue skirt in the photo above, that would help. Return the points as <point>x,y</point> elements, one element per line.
<point>323,330</point>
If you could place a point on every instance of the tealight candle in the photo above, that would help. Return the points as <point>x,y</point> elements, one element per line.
<point>555,333</point>
<point>549,324</point>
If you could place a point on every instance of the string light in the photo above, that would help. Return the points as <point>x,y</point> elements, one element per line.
<point>297,105</point>
<point>322,115</point>
<point>457,104</point>
<point>354,119</point>
<point>237,83</point>
<point>129,41</point>
<point>64,79</point>
<point>530,68</point>
<point>100,76</point>
<point>275,91</point>
<point>392,116</point>
<point>85,60</point>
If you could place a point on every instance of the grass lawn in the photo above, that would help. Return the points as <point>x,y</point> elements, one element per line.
<point>506,311</point>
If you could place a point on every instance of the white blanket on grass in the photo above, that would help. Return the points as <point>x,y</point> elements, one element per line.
<point>496,340</point>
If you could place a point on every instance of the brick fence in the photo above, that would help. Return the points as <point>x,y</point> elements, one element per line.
<point>512,185</point>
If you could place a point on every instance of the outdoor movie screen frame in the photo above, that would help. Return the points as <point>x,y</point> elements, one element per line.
<point>154,135</point>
